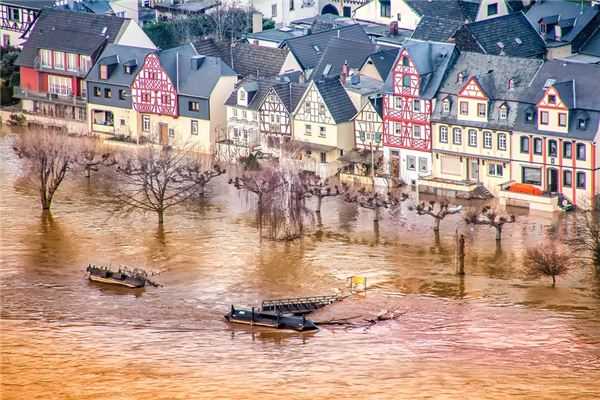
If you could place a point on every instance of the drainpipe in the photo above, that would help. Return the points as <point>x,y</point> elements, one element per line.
<point>592,205</point>
<point>573,174</point>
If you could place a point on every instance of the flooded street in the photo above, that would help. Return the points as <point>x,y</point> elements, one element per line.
<point>491,335</point>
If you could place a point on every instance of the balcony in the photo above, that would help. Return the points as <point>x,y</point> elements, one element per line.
<point>25,94</point>
<point>534,199</point>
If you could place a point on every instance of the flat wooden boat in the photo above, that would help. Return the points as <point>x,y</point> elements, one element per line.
<point>120,277</point>
<point>269,319</point>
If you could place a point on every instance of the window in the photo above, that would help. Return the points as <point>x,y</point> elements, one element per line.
<point>171,132</point>
<point>59,60</point>
<point>321,110</point>
<point>532,176</point>
<point>85,63</point>
<point>552,148</point>
<point>503,112</point>
<point>406,81</point>
<point>322,132</point>
<point>194,106</point>
<point>581,151</point>
<point>417,105</point>
<point>487,139</point>
<point>166,99</point>
<point>581,123</point>
<point>308,130</point>
<point>446,106</point>
<point>194,128</point>
<point>581,180</point>
<point>146,123</point>
<point>443,134</point>
<point>464,108</point>
<point>107,93</point>
<point>537,146</point>
<point>567,150</point>
<point>529,115</point>
<point>83,88</point>
<point>103,71</point>
<point>97,91</point>
<point>405,61</point>
<point>59,85</point>
<point>544,117</point>
<point>145,97</point>
<point>234,112</point>
<point>492,9</point>
<point>551,99</point>
<point>14,14</point>
<point>72,62</point>
<point>457,136</point>
<point>502,141</point>
<point>495,169</point>
<point>567,178</point>
<point>385,8</point>
<point>417,132</point>
<point>524,144</point>
<point>481,110</point>
<point>46,58</point>
<point>274,11</point>
<point>244,114</point>
<point>562,119</point>
<point>122,122</point>
<point>423,165</point>
<point>101,117</point>
<point>242,95</point>
<point>121,94</point>
<point>472,137</point>
<point>397,102</point>
<point>323,157</point>
<point>411,163</point>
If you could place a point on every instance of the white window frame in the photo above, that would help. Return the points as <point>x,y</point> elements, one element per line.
<point>71,62</point>
<point>443,134</point>
<point>194,127</point>
<point>502,142</point>
<point>60,85</point>
<point>473,137</point>
<point>456,133</point>
<point>58,55</point>
<point>417,132</point>
<point>495,169</point>
<point>145,123</point>
<point>487,140</point>
<point>46,58</point>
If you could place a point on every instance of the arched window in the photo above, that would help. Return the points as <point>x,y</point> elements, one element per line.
<point>406,81</point>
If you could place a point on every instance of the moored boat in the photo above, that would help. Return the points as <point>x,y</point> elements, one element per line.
<point>269,319</point>
<point>122,277</point>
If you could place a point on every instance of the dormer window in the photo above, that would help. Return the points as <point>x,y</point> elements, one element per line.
<point>460,77</point>
<point>581,123</point>
<point>103,71</point>
<point>242,95</point>
<point>492,9</point>
<point>446,105</point>
<point>551,99</point>
<point>529,115</point>
<point>128,69</point>
<point>503,112</point>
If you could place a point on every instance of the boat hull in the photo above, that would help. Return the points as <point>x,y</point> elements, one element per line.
<point>270,320</point>
<point>112,281</point>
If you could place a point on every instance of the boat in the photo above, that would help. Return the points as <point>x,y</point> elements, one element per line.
<point>122,277</point>
<point>269,319</point>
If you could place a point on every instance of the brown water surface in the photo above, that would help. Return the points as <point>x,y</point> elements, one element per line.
<point>490,335</point>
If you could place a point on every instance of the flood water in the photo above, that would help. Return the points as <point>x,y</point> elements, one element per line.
<point>492,335</point>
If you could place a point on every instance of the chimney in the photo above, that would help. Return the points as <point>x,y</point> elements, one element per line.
<point>393,28</point>
<point>257,24</point>
<point>557,32</point>
<point>345,72</point>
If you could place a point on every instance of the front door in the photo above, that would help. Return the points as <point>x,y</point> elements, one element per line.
<point>552,180</point>
<point>164,134</point>
<point>474,170</point>
<point>395,170</point>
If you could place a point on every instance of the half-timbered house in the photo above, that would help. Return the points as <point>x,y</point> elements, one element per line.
<point>368,126</point>
<point>322,125</point>
<point>407,105</point>
<point>17,16</point>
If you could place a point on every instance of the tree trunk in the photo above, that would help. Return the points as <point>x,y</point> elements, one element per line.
<point>553,281</point>
<point>377,214</point>
<point>436,224</point>
<point>161,217</point>
<point>319,199</point>
<point>460,255</point>
<point>87,172</point>
<point>498,232</point>
<point>45,199</point>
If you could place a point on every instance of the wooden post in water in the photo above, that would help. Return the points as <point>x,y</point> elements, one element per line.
<point>460,254</point>
<point>252,318</point>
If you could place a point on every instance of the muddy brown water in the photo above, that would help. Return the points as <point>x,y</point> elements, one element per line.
<point>492,335</point>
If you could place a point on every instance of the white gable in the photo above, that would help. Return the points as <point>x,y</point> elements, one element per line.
<point>132,35</point>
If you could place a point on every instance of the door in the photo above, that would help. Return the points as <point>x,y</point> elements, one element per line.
<point>552,180</point>
<point>474,171</point>
<point>164,134</point>
<point>395,169</point>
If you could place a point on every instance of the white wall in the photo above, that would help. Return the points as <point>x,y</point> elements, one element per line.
<point>132,35</point>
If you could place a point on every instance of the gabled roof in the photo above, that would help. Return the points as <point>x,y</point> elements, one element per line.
<point>82,33</point>
<point>309,49</point>
<point>290,94</point>
<point>566,91</point>
<point>244,58</point>
<point>32,4</point>
<point>336,99</point>
<point>258,89</point>
<point>384,61</point>
<point>374,102</point>
<point>511,35</point>
<point>592,45</point>
<point>436,29</point>
<point>458,10</point>
<point>340,51</point>
<point>573,17</point>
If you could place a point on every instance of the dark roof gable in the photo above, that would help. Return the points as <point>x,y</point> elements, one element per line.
<point>336,99</point>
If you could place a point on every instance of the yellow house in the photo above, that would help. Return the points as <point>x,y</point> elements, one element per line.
<point>323,127</point>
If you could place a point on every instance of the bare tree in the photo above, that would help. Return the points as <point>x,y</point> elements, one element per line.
<point>92,155</point>
<point>157,179</point>
<point>374,200</point>
<point>489,216</point>
<point>48,156</point>
<point>319,188</point>
<point>548,260</point>
<point>585,244</point>
<point>438,213</point>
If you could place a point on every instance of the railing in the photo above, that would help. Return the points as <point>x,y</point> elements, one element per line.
<point>21,93</point>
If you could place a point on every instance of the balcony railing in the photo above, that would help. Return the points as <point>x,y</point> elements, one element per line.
<point>21,93</point>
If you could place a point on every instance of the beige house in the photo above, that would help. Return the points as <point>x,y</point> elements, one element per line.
<point>323,127</point>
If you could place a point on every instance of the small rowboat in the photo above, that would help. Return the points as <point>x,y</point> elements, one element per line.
<point>121,277</point>
<point>269,319</point>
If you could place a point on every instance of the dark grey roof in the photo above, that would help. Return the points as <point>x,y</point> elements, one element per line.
<point>384,61</point>
<point>82,33</point>
<point>309,49</point>
<point>290,94</point>
<point>436,29</point>
<point>459,10</point>
<point>244,58</point>
<point>566,91</point>
<point>340,51</point>
<point>511,35</point>
<point>432,60</point>
<point>336,99</point>
<point>590,131</point>
<point>32,4</point>
<point>257,89</point>
<point>98,6</point>
<point>277,35</point>
<point>592,45</point>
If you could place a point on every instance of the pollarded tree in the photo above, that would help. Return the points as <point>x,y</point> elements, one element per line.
<point>48,157</point>
<point>94,155</point>
<point>155,179</point>
<point>585,244</point>
<point>548,260</point>
<point>489,216</point>
<point>375,201</point>
<point>319,188</point>
<point>438,213</point>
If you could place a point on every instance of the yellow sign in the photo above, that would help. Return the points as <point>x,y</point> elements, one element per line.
<point>358,280</point>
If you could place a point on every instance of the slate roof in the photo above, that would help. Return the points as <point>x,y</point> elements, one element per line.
<point>432,61</point>
<point>260,87</point>
<point>290,94</point>
<point>244,58</point>
<point>98,6</point>
<point>339,51</point>
<point>277,35</point>
<point>458,10</point>
<point>592,45</point>
<point>511,35</point>
<point>68,31</point>
<point>336,99</point>
<point>436,29</point>
<point>33,4</point>
<point>309,49</point>
<point>383,61</point>
<point>493,74</point>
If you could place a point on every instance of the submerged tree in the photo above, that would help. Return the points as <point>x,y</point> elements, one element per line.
<point>375,201</point>
<point>547,260</point>
<point>314,186</point>
<point>157,179</point>
<point>488,216</point>
<point>48,156</point>
<point>94,155</point>
<point>438,213</point>
<point>585,244</point>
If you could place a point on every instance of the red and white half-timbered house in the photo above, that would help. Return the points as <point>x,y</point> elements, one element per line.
<point>407,106</point>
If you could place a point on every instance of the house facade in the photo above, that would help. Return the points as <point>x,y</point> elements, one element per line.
<point>368,126</point>
<point>17,17</point>
<point>408,102</point>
